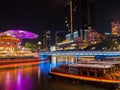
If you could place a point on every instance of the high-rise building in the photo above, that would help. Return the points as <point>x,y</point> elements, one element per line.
<point>94,37</point>
<point>115,26</point>
<point>79,15</point>
<point>46,41</point>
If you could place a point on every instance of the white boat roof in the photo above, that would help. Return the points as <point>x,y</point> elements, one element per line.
<point>101,62</point>
<point>91,65</point>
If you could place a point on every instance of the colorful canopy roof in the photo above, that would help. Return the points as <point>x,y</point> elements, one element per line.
<point>21,34</point>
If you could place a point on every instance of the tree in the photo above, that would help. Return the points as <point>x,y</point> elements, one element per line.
<point>31,46</point>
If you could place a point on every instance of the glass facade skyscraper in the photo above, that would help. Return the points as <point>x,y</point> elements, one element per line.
<point>83,16</point>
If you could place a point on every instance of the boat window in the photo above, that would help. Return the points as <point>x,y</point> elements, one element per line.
<point>91,74</point>
<point>84,73</point>
<point>100,74</point>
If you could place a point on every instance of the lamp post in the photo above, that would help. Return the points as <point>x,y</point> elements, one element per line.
<point>39,45</point>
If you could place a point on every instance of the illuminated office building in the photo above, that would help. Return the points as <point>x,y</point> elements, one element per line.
<point>115,26</point>
<point>79,16</point>
<point>46,41</point>
<point>79,21</point>
<point>94,37</point>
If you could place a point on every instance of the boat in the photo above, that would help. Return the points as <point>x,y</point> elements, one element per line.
<point>104,73</point>
<point>18,58</point>
<point>118,88</point>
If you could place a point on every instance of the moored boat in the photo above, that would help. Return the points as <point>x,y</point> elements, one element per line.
<point>102,72</point>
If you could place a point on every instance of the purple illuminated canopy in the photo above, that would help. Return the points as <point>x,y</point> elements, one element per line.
<point>21,34</point>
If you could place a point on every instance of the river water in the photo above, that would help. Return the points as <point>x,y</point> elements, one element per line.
<point>35,77</point>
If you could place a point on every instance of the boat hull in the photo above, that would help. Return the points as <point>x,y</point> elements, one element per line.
<point>17,62</point>
<point>81,80</point>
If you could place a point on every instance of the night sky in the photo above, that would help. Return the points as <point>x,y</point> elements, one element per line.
<point>106,11</point>
<point>42,15</point>
<point>32,15</point>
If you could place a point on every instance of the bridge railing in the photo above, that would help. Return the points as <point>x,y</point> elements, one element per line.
<point>80,53</point>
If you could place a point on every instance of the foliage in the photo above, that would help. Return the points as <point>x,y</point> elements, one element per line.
<point>109,43</point>
<point>31,46</point>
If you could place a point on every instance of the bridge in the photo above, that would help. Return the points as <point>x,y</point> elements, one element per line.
<point>97,54</point>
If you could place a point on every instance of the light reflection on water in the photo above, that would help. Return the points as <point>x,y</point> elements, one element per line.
<point>35,77</point>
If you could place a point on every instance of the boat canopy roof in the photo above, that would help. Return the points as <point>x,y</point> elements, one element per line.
<point>100,62</point>
<point>91,65</point>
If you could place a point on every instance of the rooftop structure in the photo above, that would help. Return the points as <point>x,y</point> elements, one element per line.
<point>21,34</point>
<point>8,42</point>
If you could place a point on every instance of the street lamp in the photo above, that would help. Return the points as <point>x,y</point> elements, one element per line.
<point>39,43</point>
<point>39,46</point>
